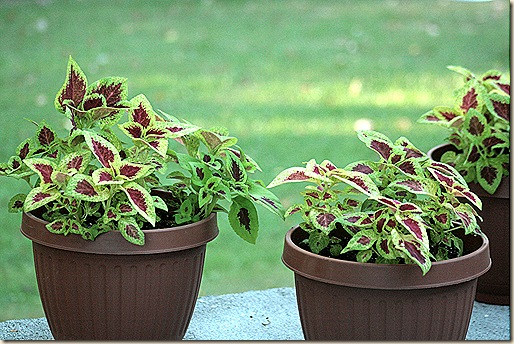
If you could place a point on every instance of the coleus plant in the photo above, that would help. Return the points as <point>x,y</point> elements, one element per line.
<point>479,125</point>
<point>106,175</point>
<point>403,208</point>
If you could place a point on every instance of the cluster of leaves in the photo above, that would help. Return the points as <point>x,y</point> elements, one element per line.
<point>479,123</point>
<point>403,208</point>
<point>92,181</point>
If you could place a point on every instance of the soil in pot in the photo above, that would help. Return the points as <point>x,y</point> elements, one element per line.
<point>346,300</point>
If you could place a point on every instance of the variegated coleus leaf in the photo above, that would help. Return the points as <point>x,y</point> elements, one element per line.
<point>235,167</point>
<point>66,226</point>
<point>129,171</point>
<point>26,149</point>
<point>447,170</point>
<point>470,96</point>
<point>442,115</point>
<point>290,175</point>
<point>144,126</point>
<point>415,225</point>
<point>293,209</point>
<point>385,247</point>
<point>454,187</point>
<point>110,215</point>
<point>409,149</point>
<point>467,217</point>
<point>413,249</point>
<point>105,176</point>
<point>266,198</point>
<point>75,162</point>
<point>16,203</point>
<point>250,164</point>
<point>82,187</point>
<point>359,181</point>
<point>410,167</point>
<point>210,139</point>
<point>141,112</point>
<point>366,167</point>
<point>397,206</point>
<point>318,241</point>
<point>489,174</point>
<point>39,196</point>
<point>377,142</point>
<point>353,222</point>
<point>43,167</point>
<point>200,173</point>
<point>476,126</point>
<point>159,203</point>
<point>174,126</point>
<point>322,219</point>
<point>125,209</point>
<point>131,231</point>
<point>360,241</point>
<point>113,90</point>
<point>74,88</point>
<point>103,150</point>
<point>416,186</point>
<point>499,105</point>
<point>243,219</point>
<point>315,170</point>
<point>141,200</point>
<point>45,137</point>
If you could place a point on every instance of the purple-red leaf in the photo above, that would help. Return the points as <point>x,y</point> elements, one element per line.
<point>382,148</point>
<point>142,113</point>
<point>103,150</point>
<point>74,88</point>
<point>45,136</point>
<point>469,100</point>
<point>42,167</point>
<point>292,174</point>
<point>141,200</point>
<point>113,90</point>
<point>38,197</point>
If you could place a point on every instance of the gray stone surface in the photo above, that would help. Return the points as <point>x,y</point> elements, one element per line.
<point>263,315</point>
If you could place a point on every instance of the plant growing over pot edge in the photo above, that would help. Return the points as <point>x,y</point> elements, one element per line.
<point>402,208</point>
<point>479,122</point>
<point>95,180</point>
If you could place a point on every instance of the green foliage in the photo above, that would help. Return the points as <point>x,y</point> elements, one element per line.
<point>92,181</point>
<point>479,125</point>
<point>403,208</point>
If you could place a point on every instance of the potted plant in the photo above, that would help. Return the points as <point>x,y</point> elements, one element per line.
<point>119,219</point>
<point>479,148</point>
<point>385,250</point>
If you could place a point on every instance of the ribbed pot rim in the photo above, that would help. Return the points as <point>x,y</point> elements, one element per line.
<point>387,276</point>
<point>503,190</point>
<point>156,240</point>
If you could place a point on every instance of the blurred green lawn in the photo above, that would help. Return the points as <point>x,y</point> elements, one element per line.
<point>291,79</point>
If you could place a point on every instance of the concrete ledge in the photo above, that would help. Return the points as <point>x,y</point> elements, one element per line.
<point>263,315</point>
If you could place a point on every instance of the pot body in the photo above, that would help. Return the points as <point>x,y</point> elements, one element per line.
<point>344,300</point>
<point>109,289</point>
<point>494,286</point>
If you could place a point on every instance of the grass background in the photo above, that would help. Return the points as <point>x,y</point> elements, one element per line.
<point>291,79</point>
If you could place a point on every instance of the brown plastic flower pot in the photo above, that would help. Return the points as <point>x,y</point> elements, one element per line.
<point>109,289</point>
<point>494,286</point>
<point>345,300</point>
